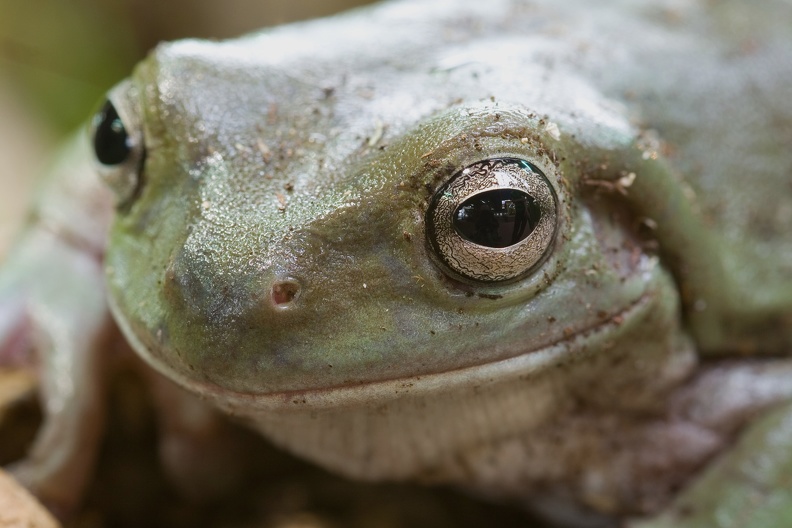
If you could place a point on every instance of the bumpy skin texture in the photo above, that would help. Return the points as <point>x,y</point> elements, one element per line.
<point>303,160</point>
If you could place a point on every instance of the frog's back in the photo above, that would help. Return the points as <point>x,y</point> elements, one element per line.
<point>710,82</point>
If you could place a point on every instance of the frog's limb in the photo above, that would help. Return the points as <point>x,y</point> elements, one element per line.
<point>723,315</point>
<point>56,320</point>
<point>204,455</point>
<point>751,485</point>
<point>66,320</point>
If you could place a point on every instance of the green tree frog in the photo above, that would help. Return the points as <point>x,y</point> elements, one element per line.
<point>537,250</point>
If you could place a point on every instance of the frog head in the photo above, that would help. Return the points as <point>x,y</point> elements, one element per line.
<point>295,219</point>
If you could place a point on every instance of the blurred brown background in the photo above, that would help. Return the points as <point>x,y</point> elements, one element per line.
<point>57,58</point>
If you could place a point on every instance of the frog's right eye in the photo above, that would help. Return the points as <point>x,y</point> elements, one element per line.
<point>118,150</point>
<point>493,221</point>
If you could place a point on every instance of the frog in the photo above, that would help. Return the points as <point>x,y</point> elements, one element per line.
<point>534,250</point>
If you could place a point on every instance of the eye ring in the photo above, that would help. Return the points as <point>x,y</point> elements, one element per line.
<point>494,220</point>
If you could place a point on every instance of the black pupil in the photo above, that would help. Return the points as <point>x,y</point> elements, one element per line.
<point>497,218</point>
<point>111,142</point>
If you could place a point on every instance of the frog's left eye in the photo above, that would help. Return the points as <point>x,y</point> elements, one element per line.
<point>493,221</point>
<point>118,150</point>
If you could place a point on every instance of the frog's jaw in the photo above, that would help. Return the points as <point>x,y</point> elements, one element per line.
<point>400,428</point>
<point>527,364</point>
<point>430,427</point>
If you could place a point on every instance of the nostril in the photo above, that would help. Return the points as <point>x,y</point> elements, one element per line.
<point>284,292</point>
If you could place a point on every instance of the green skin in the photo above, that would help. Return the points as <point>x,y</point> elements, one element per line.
<point>306,157</point>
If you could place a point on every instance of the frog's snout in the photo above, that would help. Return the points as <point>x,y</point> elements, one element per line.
<point>226,294</point>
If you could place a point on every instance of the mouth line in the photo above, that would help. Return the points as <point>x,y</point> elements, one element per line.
<point>519,365</point>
